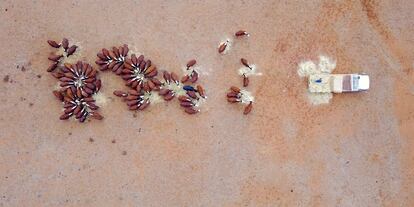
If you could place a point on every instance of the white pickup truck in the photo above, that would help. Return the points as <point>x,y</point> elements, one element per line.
<point>338,83</point>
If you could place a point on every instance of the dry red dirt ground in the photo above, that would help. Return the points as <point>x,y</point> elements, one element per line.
<point>355,151</point>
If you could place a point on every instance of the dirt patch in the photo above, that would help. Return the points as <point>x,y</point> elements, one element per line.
<point>404,110</point>
<point>372,9</point>
<point>6,78</point>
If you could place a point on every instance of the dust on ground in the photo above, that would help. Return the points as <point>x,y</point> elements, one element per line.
<point>325,66</point>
